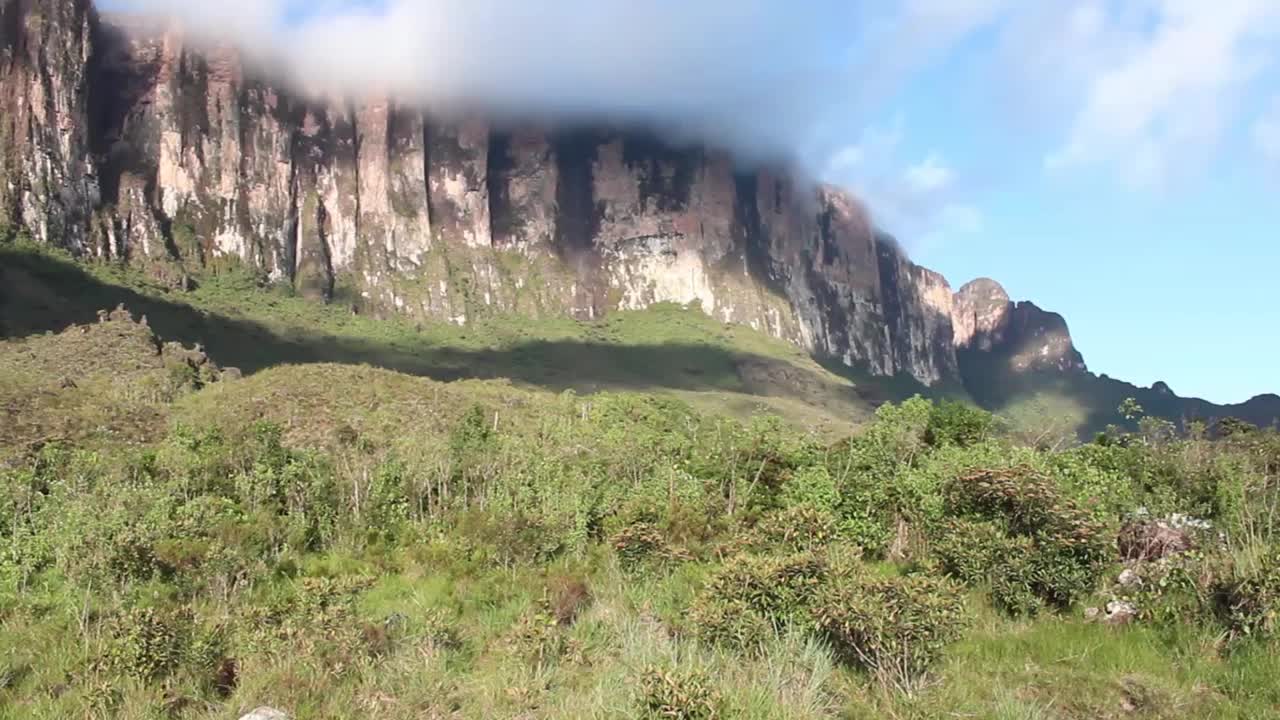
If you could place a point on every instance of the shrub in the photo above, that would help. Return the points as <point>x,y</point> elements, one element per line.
<point>1015,586</point>
<point>1177,590</point>
<point>1060,551</point>
<point>1251,604</point>
<point>642,545</point>
<point>796,529</point>
<point>146,643</point>
<point>755,597</point>
<point>813,487</point>
<point>677,695</point>
<point>318,616</point>
<point>894,628</point>
<point>438,630</point>
<point>956,423</point>
<point>968,550</point>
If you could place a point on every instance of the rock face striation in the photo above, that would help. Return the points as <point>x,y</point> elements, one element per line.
<point>123,140</point>
<point>985,320</point>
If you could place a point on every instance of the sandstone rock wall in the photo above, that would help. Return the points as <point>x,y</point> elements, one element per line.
<point>123,139</point>
<point>1027,338</point>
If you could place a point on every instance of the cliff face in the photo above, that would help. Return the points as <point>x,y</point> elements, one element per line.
<point>123,141</point>
<point>47,174</point>
<point>1027,338</point>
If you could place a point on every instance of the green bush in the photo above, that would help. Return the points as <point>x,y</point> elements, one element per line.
<point>812,487</point>
<point>1015,582</point>
<point>753,598</point>
<point>799,528</point>
<point>894,628</point>
<point>956,423</point>
<point>146,643</point>
<point>1060,552</point>
<point>1178,591</point>
<point>1251,604</point>
<point>679,695</point>
<point>969,550</point>
<point>538,637</point>
<point>642,545</point>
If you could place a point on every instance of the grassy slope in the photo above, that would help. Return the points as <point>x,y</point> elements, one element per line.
<point>667,349</point>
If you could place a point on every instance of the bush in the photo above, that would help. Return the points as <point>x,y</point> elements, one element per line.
<point>1015,585</point>
<point>1177,590</point>
<point>797,529</point>
<point>538,636</point>
<point>894,628</point>
<point>1251,604</point>
<point>968,550</point>
<point>957,423</point>
<point>146,643</point>
<point>1056,551</point>
<point>813,487</point>
<point>676,695</point>
<point>517,539</point>
<point>755,597</point>
<point>642,545</point>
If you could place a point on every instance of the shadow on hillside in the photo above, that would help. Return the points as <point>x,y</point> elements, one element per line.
<point>39,294</point>
<point>1095,399</point>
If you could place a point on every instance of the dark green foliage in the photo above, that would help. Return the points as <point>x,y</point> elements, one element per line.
<point>679,695</point>
<point>1234,427</point>
<point>146,643</point>
<point>1251,604</point>
<point>1179,591</point>
<point>970,550</point>
<point>756,597</point>
<point>799,528</point>
<point>641,544</point>
<point>1052,548</point>
<point>894,628</point>
<point>955,423</point>
<point>1018,586</point>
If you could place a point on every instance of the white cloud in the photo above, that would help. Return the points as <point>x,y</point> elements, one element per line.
<point>923,203</point>
<point>846,159</point>
<point>931,175</point>
<point>768,77</point>
<point>1144,89</point>
<point>1168,85</point>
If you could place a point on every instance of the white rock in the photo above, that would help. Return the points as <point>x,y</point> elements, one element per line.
<point>265,713</point>
<point>1128,578</point>
<point>1120,612</point>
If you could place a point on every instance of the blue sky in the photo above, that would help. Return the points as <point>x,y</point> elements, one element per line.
<point>1160,244</point>
<point>1117,161</point>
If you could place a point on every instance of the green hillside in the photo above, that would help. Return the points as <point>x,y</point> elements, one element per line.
<point>651,516</point>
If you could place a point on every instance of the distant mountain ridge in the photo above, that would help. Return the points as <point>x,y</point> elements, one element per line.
<point>122,140</point>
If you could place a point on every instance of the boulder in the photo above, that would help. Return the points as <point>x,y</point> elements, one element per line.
<point>1129,578</point>
<point>265,713</point>
<point>1120,612</point>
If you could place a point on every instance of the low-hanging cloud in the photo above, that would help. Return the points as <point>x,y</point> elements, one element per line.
<point>757,74</point>
<point>770,79</point>
<point>1139,88</point>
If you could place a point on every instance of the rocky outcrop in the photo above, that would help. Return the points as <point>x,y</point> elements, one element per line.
<point>48,179</point>
<point>123,140</point>
<point>1027,338</point>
